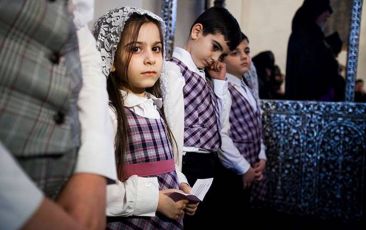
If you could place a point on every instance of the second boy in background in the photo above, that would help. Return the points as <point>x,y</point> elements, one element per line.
<point>196,102</point>
<point>244,157</point>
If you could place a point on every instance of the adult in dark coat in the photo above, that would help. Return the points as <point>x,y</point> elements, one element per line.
<point>312,71</point>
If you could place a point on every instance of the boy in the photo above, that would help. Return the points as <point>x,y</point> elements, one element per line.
<point>244,160</point>
<point>196,101</point>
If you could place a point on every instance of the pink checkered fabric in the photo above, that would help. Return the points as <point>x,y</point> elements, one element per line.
<point>201,111</point>
<point>148,142</point>
<point>246,133</point>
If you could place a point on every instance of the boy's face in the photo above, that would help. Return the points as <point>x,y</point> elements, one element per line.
<point>238,61</point>
<point>205,49</point>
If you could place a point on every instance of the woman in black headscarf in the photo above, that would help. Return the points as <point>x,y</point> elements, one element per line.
<point>312,71</point>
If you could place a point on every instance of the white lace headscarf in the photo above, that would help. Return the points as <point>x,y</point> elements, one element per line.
<point>108,29</point>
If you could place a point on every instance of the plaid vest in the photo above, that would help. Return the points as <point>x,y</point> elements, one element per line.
<point>39,86</point>
<point>201,128</point>
<point>246,133</point>
<point>148,142</point>
<point>246,126</point>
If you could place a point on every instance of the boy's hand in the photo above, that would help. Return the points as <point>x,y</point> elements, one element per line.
<point>259,168</point>
<point>248,178</point>
<point>217,70</point>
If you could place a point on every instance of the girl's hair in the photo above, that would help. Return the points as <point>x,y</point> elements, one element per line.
<point>119,78</point>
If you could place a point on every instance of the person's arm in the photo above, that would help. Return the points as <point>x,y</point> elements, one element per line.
<point>96,154</point>
<point>85,193</point>
<point>84,198</point>
<point>229,154</point>
<point>22,204</point>
<point>172,83</point>
<point>140,196</point>
<point>137,196</point>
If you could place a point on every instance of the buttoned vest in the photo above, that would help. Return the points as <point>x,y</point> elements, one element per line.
<point>40,79</point>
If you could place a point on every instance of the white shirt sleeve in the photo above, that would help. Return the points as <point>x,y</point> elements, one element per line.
<point>137,196</point>
<point>262,153</point>
<point>96,154</point>
<point>229,155</point>
<point>19,196</point>
<point>172,83</point>
<point>181,177</point>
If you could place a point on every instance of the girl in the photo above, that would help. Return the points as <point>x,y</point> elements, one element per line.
<point>131,45</point>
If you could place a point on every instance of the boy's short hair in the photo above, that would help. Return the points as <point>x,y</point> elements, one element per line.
<point>219,20</point>
<point>244,37</point>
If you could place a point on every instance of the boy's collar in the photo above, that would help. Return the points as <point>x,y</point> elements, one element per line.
<point>185,57</point>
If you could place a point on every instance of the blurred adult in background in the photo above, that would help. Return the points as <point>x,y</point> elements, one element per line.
<point>360,94</point>
<point>277,80</point>
<point>312,71</point>
<point>264,63</point>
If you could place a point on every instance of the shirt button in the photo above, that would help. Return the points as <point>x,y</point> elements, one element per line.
<point>59,118</point>
<point>55,57</point>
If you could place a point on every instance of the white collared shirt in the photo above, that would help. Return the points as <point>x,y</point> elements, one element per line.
<point>231,157</point>
<point>137,196</point>
<point>244,90</point>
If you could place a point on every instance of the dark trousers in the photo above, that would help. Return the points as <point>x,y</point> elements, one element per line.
<point>233,200</point>
<point>200,166</point>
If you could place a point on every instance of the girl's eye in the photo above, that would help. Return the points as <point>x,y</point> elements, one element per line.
<point>135,49</point>
<point>156,49</point>
<point>247,51</point>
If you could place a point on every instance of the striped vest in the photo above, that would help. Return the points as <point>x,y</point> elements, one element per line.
<point>148,142</point>
<point>246,133</point>
<point>39,86</point>
<point>201,128</point>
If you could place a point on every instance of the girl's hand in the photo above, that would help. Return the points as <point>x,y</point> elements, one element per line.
<point>217,70</point>
<point>190,208</point>
<point>185,188</point>
<point>170,208</point>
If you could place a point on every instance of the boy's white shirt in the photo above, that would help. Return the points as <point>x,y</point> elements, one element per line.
<point>231,157</point>
<point>174,99</point>
<point>137,196</point>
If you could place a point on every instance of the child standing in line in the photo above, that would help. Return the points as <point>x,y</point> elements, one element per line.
<point>195,103</point>
<point>244,157</point>
<point>131,45</point>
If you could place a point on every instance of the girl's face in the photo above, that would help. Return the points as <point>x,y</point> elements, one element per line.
<point>238,61</point>
<point>147,59</point>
